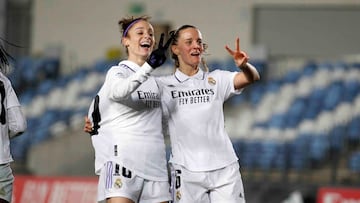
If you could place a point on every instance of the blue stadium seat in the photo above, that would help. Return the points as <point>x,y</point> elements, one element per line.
<point>273,86</point>
<point>353,131</point>
<point>354,162</point>
<point>298,153</point>
<point>295,112</point>
<point>268,154</point>
<point>292,76</point>
<point>333,96</point>
<point>318,147</point>
<point>20,145</point>
<point>337,137</point>
<point>45,87</point>
<point>256,92</point>
<point>50,67</point>
<point>238,145</point>
<point>309,69</point>
<point>352,89</point>
<point>282,158</point>
<point>250,154</point>
<point>27,96</point>
<point>277,121</point>
<point>102,66</point>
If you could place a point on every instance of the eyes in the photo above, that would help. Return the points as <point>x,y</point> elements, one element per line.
<point>141,33</point>
<point>190,41</point>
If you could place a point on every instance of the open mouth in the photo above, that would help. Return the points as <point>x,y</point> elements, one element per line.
<point>195,54</point>
<point>145,45</point>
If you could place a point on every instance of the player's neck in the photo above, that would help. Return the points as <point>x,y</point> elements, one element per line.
<point>189,70</point>
<point>138,60</point>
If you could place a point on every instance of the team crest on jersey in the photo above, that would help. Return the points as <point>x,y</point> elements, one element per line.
<point>211,81</point>
<point>118,183</point>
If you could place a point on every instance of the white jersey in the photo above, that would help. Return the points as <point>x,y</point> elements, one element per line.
<point>127,117</point>
<point>11,118</point>
<point>193,107</point>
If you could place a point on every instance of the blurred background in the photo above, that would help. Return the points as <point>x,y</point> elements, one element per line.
<point>296,132</point>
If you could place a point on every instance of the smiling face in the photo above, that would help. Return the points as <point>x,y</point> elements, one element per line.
<point>188,47</point>
<point>139,41</point>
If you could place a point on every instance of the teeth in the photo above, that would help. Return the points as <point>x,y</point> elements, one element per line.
<point>145,44</point>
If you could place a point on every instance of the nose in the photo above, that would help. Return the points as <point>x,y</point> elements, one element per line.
<point>197,45</point>
<point>147,35</point>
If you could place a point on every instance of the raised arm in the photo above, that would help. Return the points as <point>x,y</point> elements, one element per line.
<point>248,73</point>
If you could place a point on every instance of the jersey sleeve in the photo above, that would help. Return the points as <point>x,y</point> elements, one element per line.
<point>226,79</point>
<point>15,117</point>
<point>12,99</point>
<point>122,85</point>
<point>17,121</point>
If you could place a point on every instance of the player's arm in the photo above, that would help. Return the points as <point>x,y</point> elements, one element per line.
<point>248,73</point>
<point>122,86</point>
<point>17,121</point>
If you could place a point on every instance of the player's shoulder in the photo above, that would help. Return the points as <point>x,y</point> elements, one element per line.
<point>165,78</point>
<point>5,80</point>
<point>218,73</point>
<point>121,69</point>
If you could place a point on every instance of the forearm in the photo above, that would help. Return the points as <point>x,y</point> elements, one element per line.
<point>250,72</point>
<point>123,87</point>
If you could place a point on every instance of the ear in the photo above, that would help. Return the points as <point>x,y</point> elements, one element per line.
<point>174,49</point>
<point>125,41</point>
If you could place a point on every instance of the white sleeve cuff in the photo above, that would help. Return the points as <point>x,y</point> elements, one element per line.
<point>144,72</point>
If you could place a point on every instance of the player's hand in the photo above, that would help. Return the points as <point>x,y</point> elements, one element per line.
<point>158,56</point>
<point>240,57</point>
<point>88,128</point>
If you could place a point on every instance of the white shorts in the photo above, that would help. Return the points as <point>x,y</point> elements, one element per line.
<point>222,185</point>
<point>6,182</point>
<point>118,181</point>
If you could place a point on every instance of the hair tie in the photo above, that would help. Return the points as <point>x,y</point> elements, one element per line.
<point>130,25</point>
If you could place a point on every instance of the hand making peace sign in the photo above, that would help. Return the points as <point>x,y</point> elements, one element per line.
<point>240,57</point>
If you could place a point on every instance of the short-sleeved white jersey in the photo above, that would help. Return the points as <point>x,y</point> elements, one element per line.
<point>8,99</point>
<point>193,107</point>
<point>129,126</point>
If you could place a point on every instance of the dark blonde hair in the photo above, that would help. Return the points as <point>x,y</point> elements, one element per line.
<point>175,35</point>
<point>126,23</point>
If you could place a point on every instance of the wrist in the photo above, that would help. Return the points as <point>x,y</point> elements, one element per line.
<point>243,66</point>
<point>147,68</point>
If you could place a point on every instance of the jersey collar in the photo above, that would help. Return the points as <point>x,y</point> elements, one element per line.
<point>130,65</point>
<point>181,77</point>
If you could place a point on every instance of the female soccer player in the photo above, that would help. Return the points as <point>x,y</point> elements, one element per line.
<point>130,156</point>
<point>12,124</point>
<point>204,164</point>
